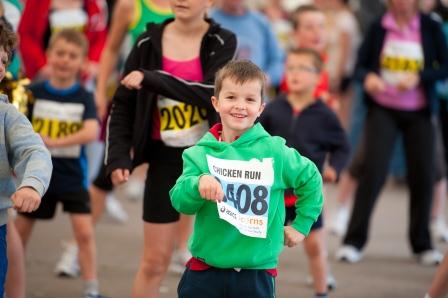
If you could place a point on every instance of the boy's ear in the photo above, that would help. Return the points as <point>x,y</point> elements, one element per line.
<point>215,103</point>
<point>263,105</point>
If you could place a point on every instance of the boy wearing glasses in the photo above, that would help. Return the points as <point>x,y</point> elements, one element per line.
<point>310,127</point>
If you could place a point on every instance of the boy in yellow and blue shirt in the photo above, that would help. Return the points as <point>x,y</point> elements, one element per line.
<point>64,114</point>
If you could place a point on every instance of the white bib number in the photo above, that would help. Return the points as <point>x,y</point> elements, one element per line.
<point>56,120</point>
<point>181,124</point>
<point>246,186</point>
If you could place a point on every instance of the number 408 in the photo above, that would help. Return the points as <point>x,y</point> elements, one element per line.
<point>244,199</point>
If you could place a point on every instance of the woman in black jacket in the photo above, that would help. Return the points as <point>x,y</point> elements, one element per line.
<point>403,54</point>
<point>163,107</point>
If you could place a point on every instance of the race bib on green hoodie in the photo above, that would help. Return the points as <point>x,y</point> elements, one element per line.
<point>247,187</point>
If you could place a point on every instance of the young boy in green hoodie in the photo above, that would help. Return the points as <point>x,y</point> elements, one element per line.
<point>233,180</point>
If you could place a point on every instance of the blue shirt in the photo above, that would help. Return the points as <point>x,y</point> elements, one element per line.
<point>256,41</point>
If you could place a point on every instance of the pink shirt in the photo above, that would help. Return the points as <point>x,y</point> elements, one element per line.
<point>402,54</point>
<point>175,123</point>
<point>190,70</point>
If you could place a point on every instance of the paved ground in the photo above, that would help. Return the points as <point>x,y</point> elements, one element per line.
<point>386,271</point>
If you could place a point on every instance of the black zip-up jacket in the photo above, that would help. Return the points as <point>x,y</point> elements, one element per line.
<point>316,132</point>
<point>130,120</point>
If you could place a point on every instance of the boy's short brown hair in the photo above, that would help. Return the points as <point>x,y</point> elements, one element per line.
<point>300,11</point>
<point>72,36</point>
<point>240,71</point>
<point>318,63</point>
<point>8,39</point>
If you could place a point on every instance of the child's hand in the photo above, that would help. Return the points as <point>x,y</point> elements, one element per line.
<point>49,142</point>
<point>133,80</point>
<point>292,236</point>
<point>329,174</point>
<point>119,176</point>
<point>26,199</point>
<point>210,189</point>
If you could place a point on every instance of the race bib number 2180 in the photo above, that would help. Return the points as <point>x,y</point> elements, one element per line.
<point>55,120</point>
<point>246,186</point>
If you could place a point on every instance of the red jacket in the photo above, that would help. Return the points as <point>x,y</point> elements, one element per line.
<point>34,23</point>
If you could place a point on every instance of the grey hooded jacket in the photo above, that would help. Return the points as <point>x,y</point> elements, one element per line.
<point>24,159</point>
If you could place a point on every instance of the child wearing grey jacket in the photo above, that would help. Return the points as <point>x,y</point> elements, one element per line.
<point>25,163</point>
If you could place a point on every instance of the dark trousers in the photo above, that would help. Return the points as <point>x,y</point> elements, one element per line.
<point>381,130</point>
<point>226,283</point>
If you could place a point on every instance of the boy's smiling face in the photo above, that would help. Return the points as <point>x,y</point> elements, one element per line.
<point>238,105</point>
<point>3,63</point>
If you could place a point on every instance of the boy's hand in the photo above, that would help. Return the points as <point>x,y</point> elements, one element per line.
<point>329,174</point>
<point>292,236</point>
<point>210,189</point>
<point>49,142</point>
<point>26,199</point>
<point>374,84</point>
<point>119,176</point>
<point>133,80</point>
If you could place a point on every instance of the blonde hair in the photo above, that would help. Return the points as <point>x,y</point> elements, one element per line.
<point>72,36</point>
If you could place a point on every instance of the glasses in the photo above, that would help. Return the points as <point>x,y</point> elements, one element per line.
<point>301,68</point>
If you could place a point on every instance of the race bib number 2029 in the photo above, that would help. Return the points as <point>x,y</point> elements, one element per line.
<point>247,186</point>
<point>181,124</point>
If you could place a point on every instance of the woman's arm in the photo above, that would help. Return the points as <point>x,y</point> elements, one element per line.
<point>121,18</point>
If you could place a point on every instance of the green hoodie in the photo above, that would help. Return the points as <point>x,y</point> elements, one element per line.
<point>246,230</point>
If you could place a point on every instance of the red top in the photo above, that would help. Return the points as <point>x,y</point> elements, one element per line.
<point>216,131</point>
<point>34,24</point>
<point>198,265</point>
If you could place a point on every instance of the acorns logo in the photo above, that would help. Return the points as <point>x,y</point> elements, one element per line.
<point>223,208</point>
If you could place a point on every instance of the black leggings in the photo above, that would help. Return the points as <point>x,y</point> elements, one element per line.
<point>381,130</point>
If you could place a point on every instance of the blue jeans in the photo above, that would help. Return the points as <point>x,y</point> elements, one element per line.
<point>3,259</point>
